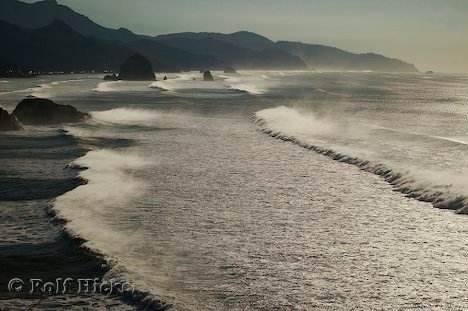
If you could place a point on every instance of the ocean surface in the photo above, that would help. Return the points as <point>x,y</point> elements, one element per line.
<point>258,191</point>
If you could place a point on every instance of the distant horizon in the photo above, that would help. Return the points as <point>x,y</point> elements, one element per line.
<point>427,34</point>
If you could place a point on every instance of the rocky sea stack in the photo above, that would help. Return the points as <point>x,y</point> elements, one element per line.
<point>40,111</point>
<point>229,70</point>
<point>8,122</point>
<point>207,76</point>
<point>137,68</point>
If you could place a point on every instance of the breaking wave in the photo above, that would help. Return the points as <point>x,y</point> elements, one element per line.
<point>67,81</point>
<point>251,84</point>
<point>254,84</point>
<point>442,189</point>
<point>109,86</point>
<point>126,116</point>
<point>163,85</point>
<point>110,186</point>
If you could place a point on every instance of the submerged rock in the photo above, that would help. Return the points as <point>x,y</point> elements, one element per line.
<point>112,77</point>
<point>430,72</point>
<point>229,70</point>
<point>136,68</point>
<point>207,76</point>
<point>9,122</point>
<point>41,111</point>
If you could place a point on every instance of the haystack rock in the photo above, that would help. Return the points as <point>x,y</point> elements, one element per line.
<point>229,70</point>
<point>136,68</point>
<point>207,76</point>
<point>8,122</point>
<point>40,111</point>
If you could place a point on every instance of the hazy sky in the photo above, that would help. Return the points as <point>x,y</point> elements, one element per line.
<point>432,34</point>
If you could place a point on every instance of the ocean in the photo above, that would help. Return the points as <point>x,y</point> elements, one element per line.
<point>258,191</point>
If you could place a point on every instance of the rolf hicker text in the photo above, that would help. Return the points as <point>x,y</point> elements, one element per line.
<point>69,285</point>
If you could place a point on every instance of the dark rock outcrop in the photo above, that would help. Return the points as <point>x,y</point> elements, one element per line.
<point>137,68</point>
<point>430,72</point>
<point>9,122</point>
<point>112,77</point>
<point>207,76</point>
<point>229,70</point>
<point>40,111</point>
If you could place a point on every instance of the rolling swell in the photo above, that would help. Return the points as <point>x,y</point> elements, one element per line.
<point>441,196</point>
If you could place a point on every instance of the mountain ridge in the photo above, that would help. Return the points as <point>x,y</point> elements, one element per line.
<point>57,47</point>
<point>42,13</point>
<point>243,49</point>
<point>316,56</point>
<point>237,56</point>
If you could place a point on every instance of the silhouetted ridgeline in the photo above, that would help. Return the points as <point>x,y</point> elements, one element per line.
<point>325,57</point>
<point>315,56</point>
<point>85,45</point>
<point>237,56</point>
<point>57,47</point>
<point>244,39</point>
<point>167,58</point>
<point>42,13</point>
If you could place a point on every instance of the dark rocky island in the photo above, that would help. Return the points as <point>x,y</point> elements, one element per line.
<point>207,76</point>
<point>40,111</point>
<point>137,68</point>
<point>229,70</point>
<point>8,122</point>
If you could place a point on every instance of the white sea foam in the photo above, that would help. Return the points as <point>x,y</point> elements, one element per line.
<point>42,90</point>
<point>253,84</point>
<point>110,186</point>
<point>126,116</point>
<point>109,86</point>
<point>164,85</point>
<point>34,91</point>
<point>67,81</point>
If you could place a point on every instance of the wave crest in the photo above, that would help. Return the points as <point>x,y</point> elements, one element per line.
<point>280,122</point>
<point>125,115</point>
<point>110,187</point>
